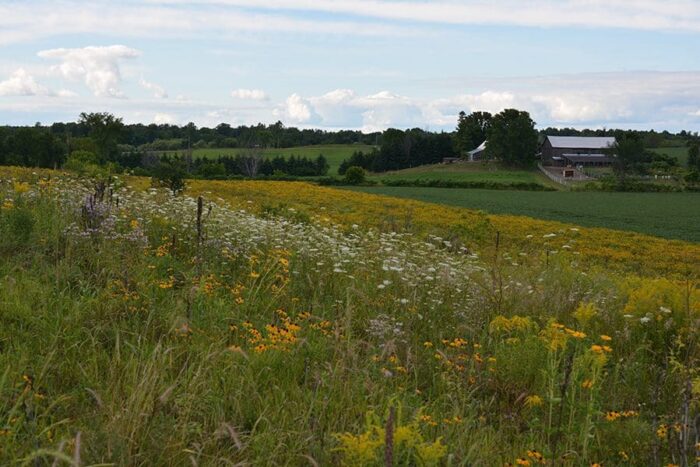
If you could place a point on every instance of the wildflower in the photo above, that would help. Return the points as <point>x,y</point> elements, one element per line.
<point>522,461</point>
<point>587,384</point>
<point>427,344</point>
<point>21,187</point>
<point>536,455</point>
<point>606,338</point>
<point>575,334</point>
<point>428,420</point>
<point>533,401</point>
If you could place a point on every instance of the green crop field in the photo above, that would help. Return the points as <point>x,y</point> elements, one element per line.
<point>680,153</point>
<point>334,153</point>
<point>465,172</point>
<point>669,215</point>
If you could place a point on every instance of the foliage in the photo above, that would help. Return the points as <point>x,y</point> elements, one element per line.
<point>82,162</point>
<point>171,175</point>
<point>512,138</point>
<point>630,157</point>
<point>354,175</point>
<point>105,130</point>
<point>409,446</point>
<point>694,156</point>
<point>472,130</point>
<point>410,148</point>
<point>358,159</point>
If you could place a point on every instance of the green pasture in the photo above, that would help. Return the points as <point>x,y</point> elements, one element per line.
<point>467,172</point>
<point>668,215</point>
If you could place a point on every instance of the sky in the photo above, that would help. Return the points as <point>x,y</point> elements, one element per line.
<point>355,64</point>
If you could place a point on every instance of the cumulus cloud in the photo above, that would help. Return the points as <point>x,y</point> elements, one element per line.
<point>296,110</point>
<point>164,119</point>
<point>21,83</point>
<point>97,67</point>
<point>157,90</point>
<point>662,99</point>
<point>250,94</point>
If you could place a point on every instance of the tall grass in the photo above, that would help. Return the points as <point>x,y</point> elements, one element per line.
<point>127,337</point>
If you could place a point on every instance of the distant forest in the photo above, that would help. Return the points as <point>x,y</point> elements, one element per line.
<point>110,141</point>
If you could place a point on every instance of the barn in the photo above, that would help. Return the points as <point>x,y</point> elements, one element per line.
<point>586,151</point>
<point>478,153</point>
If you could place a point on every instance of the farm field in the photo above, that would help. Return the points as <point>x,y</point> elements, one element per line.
<point>669,215</point>
<point>465,172</point>
<point>334,153</point>
<point>301,325</point>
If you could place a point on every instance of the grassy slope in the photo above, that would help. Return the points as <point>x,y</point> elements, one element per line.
<point>465,172</point>
<point>669,215</point>
<point>334,153</point>
<point>679,153</point>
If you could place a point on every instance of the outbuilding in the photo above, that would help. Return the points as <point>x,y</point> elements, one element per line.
<point>575,151</point>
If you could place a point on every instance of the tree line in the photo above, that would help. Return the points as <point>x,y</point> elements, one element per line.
<point>103,139</point>
<point>167,137</point>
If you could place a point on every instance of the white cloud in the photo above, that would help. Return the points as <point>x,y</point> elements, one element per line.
<point>164,119</point>
<point>97,67</point>
<point>662,99</point>
<point>29,21</point>
<point>158,91</point>
<point>250,94</point>
<point>296,110</point>
<point>21,83</point>
<point>683,15</point>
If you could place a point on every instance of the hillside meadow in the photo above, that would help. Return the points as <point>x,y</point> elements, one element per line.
<point>286,323</point>
<point>468,172</point>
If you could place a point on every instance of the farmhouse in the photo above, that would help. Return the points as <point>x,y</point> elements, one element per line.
<point>586,151</point>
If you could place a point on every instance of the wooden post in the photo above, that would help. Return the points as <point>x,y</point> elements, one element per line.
<point>389,440</point>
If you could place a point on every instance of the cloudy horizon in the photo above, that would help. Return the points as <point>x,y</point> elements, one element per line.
<point>356,64</point>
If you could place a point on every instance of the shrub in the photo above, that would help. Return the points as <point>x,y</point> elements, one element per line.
<point>354,175</point>
<point>171,175</point>
<point>83,162</point>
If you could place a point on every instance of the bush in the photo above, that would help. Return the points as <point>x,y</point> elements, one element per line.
<point>171,175</point>
<point>82,162</point>
<point>354,175</point>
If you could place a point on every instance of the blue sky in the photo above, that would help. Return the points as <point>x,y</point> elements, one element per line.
<point>366,64</point>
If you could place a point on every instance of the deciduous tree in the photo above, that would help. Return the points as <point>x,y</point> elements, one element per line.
<point>512,138</point>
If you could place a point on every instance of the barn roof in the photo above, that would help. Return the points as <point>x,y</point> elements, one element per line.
<point>581,142</point>
<point>481,147</point>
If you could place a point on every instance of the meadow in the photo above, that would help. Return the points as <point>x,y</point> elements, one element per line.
<point>286,323</point>
<point>335,154</point>
<point>466,172</point>
<point>668,215</point>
